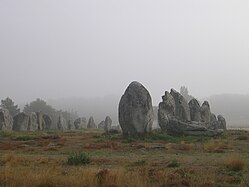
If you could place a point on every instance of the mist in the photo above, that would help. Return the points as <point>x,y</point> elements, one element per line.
<point>91,49</point>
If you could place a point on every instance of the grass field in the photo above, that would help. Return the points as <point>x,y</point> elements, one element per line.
<point>90,158</point>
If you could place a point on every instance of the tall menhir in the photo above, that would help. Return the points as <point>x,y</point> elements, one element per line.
<point>135,110</point>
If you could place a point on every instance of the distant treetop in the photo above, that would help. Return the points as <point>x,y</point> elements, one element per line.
<point>10,106</point>
<point>185,94</point>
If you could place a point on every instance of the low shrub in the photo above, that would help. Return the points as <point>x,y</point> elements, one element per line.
<point>80,158</point>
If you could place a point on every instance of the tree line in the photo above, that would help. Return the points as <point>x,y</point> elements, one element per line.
<point>38,105</point>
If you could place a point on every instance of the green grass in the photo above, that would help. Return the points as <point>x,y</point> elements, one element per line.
<point>139,163</point>
<point>176,139</point>
<point>174,164</point>
<point>80,158</point>
<point>24,138</point>
<point>154,137</point>
<point>109,137</point>
<point>6,134</point>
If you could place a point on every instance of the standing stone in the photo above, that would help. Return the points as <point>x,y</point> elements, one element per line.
<point>32,125</point>
<point>182,111</point>
<point>61,124</point>
<point>40,120</point>
<point>135,110</point>
<point>70,125</point>
<point>6,121</point>
<point>205,112</point>
<point>101,125</point>
<point>214,123</point>
<point>179,128</point>
<point>177,117</point>
<point>108,124</point>
<point>169,104</point>
<point>21,122</point>
<point>195,110</point>
<point>91,124</point>
<point>47,121</point>
<point>80,123</point>
<point>222,122</point>
<point>213,117</point>
<point>166,110</point>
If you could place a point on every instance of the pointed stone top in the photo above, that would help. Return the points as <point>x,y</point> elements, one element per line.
<point>135,84</point>
<point>206,104</point>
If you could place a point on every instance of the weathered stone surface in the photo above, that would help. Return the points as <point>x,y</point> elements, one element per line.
<point>47,121</point>
<point>166,110</point>
<point>213,117</point>
<point>213,125</point>
<point>205,112</point>
<point>32,125</point>
<point>195,110</point>
<point>6,121</point>
<point>101,125</point>
<point>40,120</point>
<point>108,124</point>
<point>182,111</point>
<point>222,122</point>
<point>177,127</point>
<point>21,122</point>
<point>170,105</point>
<point>80,123</point>
<point>135,110</point>
<point>61,124</point>
<point>91,124</point>
<point>188,119</point>
<point>163,118</point>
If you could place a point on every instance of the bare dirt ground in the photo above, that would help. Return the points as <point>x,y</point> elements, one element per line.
<point>41,159</point>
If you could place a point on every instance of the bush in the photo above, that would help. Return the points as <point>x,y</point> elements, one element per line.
<point>81,158</point>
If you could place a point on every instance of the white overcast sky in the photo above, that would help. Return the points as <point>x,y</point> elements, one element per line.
<point>91,48</point>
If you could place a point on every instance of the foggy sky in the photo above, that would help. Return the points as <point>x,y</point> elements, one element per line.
<point>92,48</point>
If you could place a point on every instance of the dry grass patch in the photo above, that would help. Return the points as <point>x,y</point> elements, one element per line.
<point>182,146</point>
<point>9,145</point>
<point>105,145</point>
<point>216,146</point>
<point>242,137</point>
<point>234,162</point>
<point>133,162</point>
<point>77,177</point>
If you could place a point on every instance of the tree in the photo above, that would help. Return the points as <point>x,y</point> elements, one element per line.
<point>10,106</point>
<point>40,105</point>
